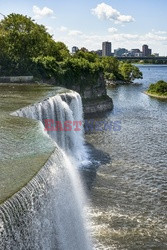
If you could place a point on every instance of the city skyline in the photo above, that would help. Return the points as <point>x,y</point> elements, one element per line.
<point>128,24</point>
<point>107,50</point>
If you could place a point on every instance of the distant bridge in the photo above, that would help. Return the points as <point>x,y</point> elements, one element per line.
<point>159,58</point>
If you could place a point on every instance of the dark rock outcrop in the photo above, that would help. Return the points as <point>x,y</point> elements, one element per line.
<point>95,98</point>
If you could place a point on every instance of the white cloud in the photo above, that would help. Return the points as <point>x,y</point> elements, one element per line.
<point>155,37</point>
<point>74,33</point>
<point>112,30</point>
<point>159,32</point>
<point>106,12</point>
<point>125,19</point>
<point>70,32</point>
<point>50,30</point>
<point>123,40</point>
<point>44,12</point>
<point>63,29</point>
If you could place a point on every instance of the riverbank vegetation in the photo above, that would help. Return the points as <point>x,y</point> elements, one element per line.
<point>152,60</point>
<point>158,89</point>
<point>26,48</point>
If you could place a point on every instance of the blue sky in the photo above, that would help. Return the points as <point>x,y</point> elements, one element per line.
<point>126,23</point>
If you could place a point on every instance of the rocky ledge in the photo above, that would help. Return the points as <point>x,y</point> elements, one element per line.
<point>95,98</point>
<point>98,105</point>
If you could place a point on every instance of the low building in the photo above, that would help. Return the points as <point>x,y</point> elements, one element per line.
<point>135,52</point>
<point>99,52</point>
<point>127,54</point>
<point>139,54</point>
<point>120,51</point>
<point>156,54</point>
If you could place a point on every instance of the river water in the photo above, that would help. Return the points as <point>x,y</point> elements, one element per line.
<point>129,190</point>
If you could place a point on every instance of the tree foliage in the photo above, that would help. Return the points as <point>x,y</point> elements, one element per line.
<point>46,67</point>
<point>90,56</point>
<point>129,72</point>
<point>160,88</point>
<point>26,48</point>
<point>79,71</point>
<point>111,68</point>
<point>22,40</point>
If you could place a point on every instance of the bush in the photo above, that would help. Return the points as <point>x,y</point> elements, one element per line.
<point>79,71</point>
<point>130,72</point>
<point>46,67</point>
<point>160,87</point>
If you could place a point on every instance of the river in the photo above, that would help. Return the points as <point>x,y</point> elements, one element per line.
<point>128,194</point>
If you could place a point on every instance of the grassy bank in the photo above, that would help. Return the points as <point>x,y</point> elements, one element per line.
<point>158,90</point>
<point>156,95</point>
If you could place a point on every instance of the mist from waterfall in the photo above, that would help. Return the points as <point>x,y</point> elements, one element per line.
<point>48,213</point>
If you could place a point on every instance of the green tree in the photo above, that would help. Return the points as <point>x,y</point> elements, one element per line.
<point>90,56</point>
<point>79,71</point>
<point>58,50</point>
<point>160,88</point>
<point>22,40</point>
<point>129,72</point>
<point>46,67</point>
<point>111,68</point>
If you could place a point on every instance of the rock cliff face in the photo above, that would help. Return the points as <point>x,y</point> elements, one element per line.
<point>95,98</point>
<point>96,106</point>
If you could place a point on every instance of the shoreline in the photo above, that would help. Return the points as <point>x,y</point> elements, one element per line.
<point>155,95</point>
<point>120,83</point>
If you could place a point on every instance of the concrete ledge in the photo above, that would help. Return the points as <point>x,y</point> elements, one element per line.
<point>19,162</point>
<point>16,79</point>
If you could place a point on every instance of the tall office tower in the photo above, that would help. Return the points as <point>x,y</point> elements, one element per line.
<point>145,50</point>
<point>149,52</point>
<point>106,49</point>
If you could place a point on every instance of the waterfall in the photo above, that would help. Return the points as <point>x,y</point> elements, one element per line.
<point>64,107</point>
<point>47,214</point>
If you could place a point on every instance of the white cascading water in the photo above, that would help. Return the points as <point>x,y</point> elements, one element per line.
<point>47,214</point>
<point>64,107</point>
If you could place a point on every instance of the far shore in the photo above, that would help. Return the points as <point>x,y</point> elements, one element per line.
<point>156,95</point>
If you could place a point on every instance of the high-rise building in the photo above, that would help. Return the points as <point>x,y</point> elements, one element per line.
<point>146,51</point>
<point>106,49</point>
<point>149,52</point>
<point>74,49</point>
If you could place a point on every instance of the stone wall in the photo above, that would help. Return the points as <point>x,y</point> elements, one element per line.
<point>115,82</point>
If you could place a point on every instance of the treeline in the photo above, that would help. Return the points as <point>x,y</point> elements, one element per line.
<point>146,61</point>
<point>26,48</point>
